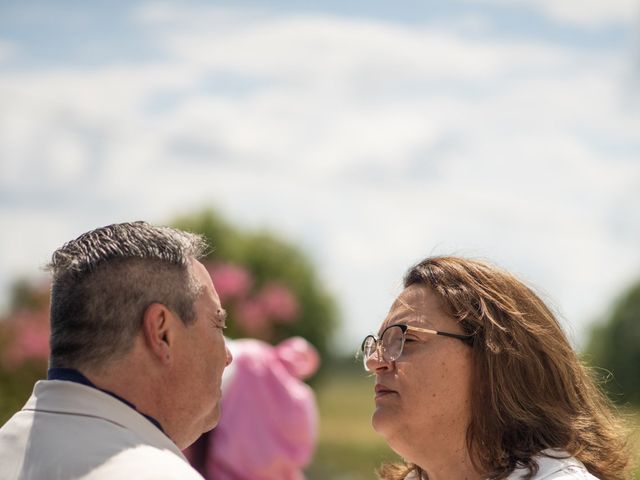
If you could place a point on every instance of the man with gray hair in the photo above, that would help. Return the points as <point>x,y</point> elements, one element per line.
<point>137,355</point>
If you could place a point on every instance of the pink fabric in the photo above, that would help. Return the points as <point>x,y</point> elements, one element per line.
<point>269,420</point>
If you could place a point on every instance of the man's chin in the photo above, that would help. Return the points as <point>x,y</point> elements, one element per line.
<point>213,418</point>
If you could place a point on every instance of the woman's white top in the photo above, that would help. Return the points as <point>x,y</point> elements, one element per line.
<point>555,469</point>
<point>549,469</point>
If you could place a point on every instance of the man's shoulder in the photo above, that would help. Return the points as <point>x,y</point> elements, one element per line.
<point>144,462</point>
<point>83,418</point>
<point>82,448</point>
<point>80,441</point>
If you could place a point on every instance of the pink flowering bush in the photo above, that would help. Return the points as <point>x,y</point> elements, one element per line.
<point>268,286</point>
<point>24,345</point>
<point>29,333</point>
<point>24,332</point>
<point>232,281</point>
<point>254,310</point>
<point>278,302</point>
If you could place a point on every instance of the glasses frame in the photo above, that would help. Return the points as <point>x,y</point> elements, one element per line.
<point>466,339</point>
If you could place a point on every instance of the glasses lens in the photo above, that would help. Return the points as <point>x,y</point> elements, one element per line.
<point>368,349</point>
<point>392,343</point>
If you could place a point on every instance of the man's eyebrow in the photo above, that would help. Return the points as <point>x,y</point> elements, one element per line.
<point>222,314</point>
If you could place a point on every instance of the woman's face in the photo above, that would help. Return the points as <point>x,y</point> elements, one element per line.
<point>423,398</point>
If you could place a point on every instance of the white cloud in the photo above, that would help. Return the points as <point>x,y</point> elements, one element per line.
<point>590,13</point>
<point>7,50</point>
<point>580,13</point>
<point>371,143</point>
<point>333,52</point>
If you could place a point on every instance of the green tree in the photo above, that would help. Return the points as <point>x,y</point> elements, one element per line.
<point>270,261</point>
<point>615,346</point>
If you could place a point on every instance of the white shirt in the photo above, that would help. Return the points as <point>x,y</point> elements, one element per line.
<point>71,431</point>
<point>555,468</point>
<point>549,469</point>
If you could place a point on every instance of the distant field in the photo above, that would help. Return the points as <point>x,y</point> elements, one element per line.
<point>349,449</point>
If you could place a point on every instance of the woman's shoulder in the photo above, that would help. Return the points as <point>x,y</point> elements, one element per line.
<point>412,476</point>
<point>552,465</point>
<point>555,465</point>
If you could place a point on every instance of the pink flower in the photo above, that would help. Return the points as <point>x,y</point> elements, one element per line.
<point>278,302</point>
<point>231,281</point>
<point>253,319</point>
<point>29,338</point>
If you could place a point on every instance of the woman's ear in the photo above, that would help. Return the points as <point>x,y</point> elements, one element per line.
<point>157,328</point>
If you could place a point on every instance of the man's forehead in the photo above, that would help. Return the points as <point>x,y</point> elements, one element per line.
<point>200,272</point>
<point>197,265</point>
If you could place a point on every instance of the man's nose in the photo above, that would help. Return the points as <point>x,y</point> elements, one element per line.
<point>229,356</point>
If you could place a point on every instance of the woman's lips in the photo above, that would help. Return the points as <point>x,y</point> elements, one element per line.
<point>383,390</point>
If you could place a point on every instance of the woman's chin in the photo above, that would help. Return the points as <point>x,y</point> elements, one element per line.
<point>383,422</point>
<point>389,426</point>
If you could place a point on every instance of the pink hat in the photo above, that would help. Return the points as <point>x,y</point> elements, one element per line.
<point>269,420</point>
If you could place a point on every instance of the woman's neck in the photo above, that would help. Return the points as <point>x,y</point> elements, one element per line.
<point>451,465</point>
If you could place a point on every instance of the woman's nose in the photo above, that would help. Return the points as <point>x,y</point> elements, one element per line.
<point>376,360</point>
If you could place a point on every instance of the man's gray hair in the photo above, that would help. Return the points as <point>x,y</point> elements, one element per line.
<point>103,282</point>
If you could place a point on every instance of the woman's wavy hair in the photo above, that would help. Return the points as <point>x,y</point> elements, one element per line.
<point>531,392</point>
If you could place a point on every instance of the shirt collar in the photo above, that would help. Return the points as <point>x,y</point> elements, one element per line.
<point>73,375</point>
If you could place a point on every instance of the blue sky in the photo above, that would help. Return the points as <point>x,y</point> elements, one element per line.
<point>371,133</point>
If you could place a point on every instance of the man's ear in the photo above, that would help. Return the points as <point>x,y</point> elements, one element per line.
<point>157,329</point>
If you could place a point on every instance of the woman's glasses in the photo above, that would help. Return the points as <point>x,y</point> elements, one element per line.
<point>391,342</point>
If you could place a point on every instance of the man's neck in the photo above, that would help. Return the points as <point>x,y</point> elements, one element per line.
<point>120,389</point>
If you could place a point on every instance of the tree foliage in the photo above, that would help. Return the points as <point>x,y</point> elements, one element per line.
<point>615,346</point>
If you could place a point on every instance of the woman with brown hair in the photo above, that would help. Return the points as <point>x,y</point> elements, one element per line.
<point>475,379</point>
